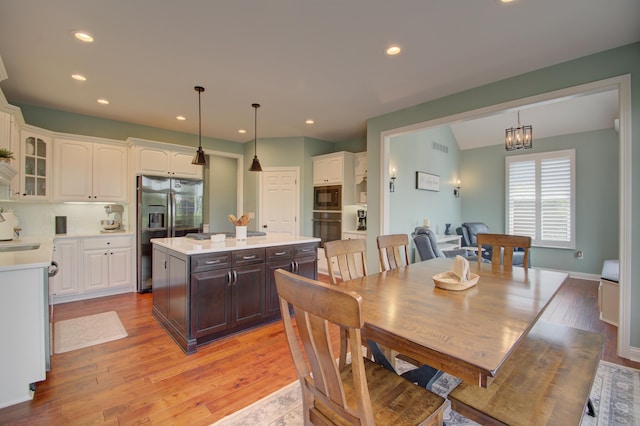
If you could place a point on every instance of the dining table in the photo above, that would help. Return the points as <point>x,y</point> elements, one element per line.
<point>468,333</point>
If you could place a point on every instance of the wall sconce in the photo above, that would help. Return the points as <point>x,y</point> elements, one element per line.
<point>392,183</point>
<point>456,190</point>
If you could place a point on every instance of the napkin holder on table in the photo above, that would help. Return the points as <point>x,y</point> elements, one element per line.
<point>458,279</point>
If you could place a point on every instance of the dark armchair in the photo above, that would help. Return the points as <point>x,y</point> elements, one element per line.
<point>470,231</point>
<point>427,246</point>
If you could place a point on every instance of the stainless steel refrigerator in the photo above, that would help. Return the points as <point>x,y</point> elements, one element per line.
<point>166,207</point>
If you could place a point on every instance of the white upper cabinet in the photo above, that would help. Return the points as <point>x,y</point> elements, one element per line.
<point>88,171</point>
<point>328,170</point>
<point>35,166</point>
<point>163,161</point>
<point>361,164</point>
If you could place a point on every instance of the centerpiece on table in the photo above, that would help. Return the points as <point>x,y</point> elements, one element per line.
<point>241,225</point>
<point>458,279</point>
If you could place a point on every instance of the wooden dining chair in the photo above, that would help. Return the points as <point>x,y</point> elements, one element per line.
<point>363,392</point>
<point>349,257</point>
<point>503,246</point>
<point>393,251</point>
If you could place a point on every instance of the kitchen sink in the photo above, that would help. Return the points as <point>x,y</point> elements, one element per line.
<point>19,247</point>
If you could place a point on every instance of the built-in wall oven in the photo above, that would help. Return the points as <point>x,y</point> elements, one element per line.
<point>327,226</point>
<point>327,197</point>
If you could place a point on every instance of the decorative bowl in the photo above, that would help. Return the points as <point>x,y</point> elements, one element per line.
<point>450,281</point>
<point>109,225</point>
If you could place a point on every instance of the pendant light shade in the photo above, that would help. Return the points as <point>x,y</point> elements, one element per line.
<point>199,159</point>
<point>255,165</point>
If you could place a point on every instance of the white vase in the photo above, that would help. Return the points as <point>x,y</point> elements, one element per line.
<point>241,233</point>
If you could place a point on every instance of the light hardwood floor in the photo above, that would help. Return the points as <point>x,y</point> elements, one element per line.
<point>146,379</point>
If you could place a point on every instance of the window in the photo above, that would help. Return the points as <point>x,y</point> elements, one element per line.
<point>540,197</point>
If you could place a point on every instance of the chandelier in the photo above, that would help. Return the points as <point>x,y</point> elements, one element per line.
<point>518,138</point>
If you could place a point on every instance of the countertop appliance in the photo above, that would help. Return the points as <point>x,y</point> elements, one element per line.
<point>8,223</point>
<point>166,207</point>
<point>362,220</point>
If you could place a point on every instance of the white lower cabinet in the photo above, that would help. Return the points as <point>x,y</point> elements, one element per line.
<point>106,263</point>
<point>67,280</point>
<point>92,267</point>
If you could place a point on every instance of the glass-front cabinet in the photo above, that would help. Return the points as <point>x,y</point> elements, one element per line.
<point>35,165</point>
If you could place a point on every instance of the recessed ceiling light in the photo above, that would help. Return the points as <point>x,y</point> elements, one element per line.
<point>393,50</point>
<point>242,131</point>
<point>103,101</point>
<point>309,121</point>
<point>78,77</point>
<point>181,117</point>
<point>508,1</point>
<point>82,36</point>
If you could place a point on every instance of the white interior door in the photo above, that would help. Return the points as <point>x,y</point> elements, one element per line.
<point>279,200</point>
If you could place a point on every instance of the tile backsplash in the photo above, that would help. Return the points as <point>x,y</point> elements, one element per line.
<point>39,218</point>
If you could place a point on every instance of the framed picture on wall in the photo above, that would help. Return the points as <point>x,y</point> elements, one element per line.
<point>427,181</point>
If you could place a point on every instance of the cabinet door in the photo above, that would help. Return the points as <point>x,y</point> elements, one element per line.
<point>307,267</point>
<point>210,302</point>
<point>72,180</point>
<point>66,281</point>
<point>95,266</point>
<point>120,267</point>
<point>361,164</point>
<point>153,161</point>
<point>160,280</point>
<point>181,165</point>
<point>248,294</point>
<point>110,171</point>
<point>35,162</point>
<point>272,301</point>
<point>328,170</point>
<point>334,169</point>
<point>178,293</point>
<point>320,171</point>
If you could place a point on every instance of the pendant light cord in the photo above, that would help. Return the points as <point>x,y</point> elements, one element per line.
<point>255,128</point>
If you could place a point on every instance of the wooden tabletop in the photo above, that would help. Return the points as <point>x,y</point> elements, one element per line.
<point>469,333</point>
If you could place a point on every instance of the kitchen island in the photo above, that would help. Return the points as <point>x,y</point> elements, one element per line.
<point>24,315</point>
<point>204,290</point>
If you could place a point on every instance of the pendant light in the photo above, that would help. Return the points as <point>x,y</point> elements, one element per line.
<point>255,165</point>
<point>518,138</point>
<point>199,159</point>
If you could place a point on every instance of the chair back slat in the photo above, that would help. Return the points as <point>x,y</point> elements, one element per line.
<point>393,251</point>
<point>503,247</point>
<point>349,256</point>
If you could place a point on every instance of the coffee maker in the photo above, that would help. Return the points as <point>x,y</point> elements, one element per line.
<point>362,220</point>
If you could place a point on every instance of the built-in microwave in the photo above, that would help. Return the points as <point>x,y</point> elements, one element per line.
<point>327,197</point>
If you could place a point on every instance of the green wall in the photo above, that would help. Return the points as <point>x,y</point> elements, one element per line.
<point>597,170</point>
<point>611,63</point>
<point>221,182</point>
<point>412,152</point>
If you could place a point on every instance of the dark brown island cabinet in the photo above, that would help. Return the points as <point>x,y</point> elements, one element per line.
<point>203,291</point>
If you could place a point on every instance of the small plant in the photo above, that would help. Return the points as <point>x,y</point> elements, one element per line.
<point>5,153</point>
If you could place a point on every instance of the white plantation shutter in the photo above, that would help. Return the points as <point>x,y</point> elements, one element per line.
<point>540,198</point>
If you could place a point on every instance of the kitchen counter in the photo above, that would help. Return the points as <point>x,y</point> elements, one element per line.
<point>204,290</point>
<point>189,246</point>
<point>25,259</point>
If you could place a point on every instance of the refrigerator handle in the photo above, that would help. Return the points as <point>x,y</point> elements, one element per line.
<point>172,214</point>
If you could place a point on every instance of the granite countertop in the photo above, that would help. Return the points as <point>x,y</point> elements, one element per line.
<point>26,259</point>
<point>190,246</point>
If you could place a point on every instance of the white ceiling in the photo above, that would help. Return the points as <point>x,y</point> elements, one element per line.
<point>299,58</point>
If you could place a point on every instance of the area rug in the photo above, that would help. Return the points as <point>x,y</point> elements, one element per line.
<point>87,331</point>
<point>615,395</point>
